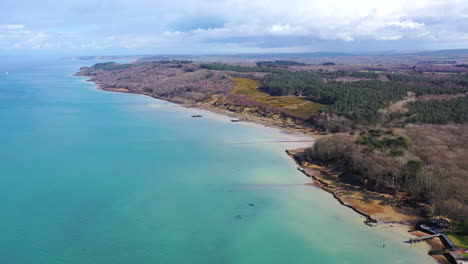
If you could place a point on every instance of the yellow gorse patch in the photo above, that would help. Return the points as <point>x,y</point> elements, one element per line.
<point>245,86</point>
<point>290,104</point>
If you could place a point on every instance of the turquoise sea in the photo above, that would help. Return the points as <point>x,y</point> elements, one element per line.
<point>88,176</point>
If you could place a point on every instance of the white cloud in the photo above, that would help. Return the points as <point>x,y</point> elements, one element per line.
<point>407,24</point>
<point>11,27</point>
<point>332,19</point>
<point>164,23</point>
<point>396,37</point>
<point>286,29</point>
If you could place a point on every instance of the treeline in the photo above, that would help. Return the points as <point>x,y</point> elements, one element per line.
<point>108,66</point>
<point>278,63</point>
<point>439,111</point>
<point>369,158</point>
<point>427,164</point>
<point>452,80</point>
<point>358,101</point>
<point>460,79</point>
<point>238,68</point>
<point>175,61</point>
<point>400,77</point>
<point>279,67</point>
<point>343,73</point>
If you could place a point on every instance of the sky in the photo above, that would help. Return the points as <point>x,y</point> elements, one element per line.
<point>106,27</point>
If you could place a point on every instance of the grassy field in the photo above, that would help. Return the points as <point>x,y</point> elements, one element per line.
<point>290,104</point>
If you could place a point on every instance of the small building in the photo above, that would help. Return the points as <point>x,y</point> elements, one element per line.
<point>439,224</point>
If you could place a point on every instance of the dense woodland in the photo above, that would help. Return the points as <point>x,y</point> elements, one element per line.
<point>415,161</point>
<point>359,101</point>
<point>439,111</point>
<point>108,66</point>
<point>239,68</point>
<point>278,63</point>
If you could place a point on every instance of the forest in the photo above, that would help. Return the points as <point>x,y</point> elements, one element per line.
<point>414,161</point>
<point>108,66</point>
<point>278,63</point>
<point>239,68</point>
<point>439,111</point>
<point>358,101</point>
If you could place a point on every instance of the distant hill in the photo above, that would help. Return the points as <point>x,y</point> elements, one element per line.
<point>264,56</point>
<point>448,52</point>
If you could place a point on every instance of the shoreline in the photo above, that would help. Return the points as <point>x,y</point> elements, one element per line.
<point>367,203</point>
<point>296,130</point>
<point>299,131</point>
<point>324,186</point>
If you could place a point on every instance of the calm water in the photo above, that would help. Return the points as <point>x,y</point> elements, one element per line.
<point>88,176</point>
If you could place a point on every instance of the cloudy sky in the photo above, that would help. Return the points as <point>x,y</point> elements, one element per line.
<point>230,26</point>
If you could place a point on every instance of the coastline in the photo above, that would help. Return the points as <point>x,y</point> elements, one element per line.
<point>399,223</point>
<point>313,171</point>
<point>367,203</point>
<point>297,129</point>
<point>324,186</point>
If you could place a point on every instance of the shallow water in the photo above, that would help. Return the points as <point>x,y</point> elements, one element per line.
<point>89,176</point>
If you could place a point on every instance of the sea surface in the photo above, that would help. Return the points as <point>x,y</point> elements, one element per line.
<point>88,176</point>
